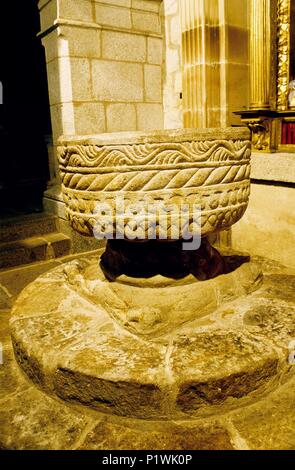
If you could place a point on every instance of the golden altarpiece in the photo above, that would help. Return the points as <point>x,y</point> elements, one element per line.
<point>271,113</point>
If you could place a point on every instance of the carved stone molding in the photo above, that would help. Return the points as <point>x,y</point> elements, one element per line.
<point>260,134</point>
<point>283,54</point>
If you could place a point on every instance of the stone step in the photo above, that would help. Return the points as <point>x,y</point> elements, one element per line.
<point>31,249</point>
<point>27,226</point>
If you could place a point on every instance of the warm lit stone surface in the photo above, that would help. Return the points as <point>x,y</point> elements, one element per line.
<point>267,229</point>
<point>29,419</point>
<point>5,298</point>
<point>213,368</point>
<point>174,436</point>
<point>154,348</point>
<point>4,323</point>
<point>12,380</point>
<point>49,425</point>
<point>271,426</point>
<point>14,280</point>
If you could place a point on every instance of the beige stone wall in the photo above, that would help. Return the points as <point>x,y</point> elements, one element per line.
<point>268,227</point>
<point>109,68</point>
<point>172,101</point>
<point>104,63</point>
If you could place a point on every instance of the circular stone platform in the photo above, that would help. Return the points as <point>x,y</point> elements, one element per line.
<point>156,348</point>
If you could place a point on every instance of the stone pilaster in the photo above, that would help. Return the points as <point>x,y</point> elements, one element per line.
<point>262,57</point>
<point>199,28</point>
<point>215,61</point>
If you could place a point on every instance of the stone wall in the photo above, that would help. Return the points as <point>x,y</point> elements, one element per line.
<point>104,63</point>
<point>268,227</point>
<point>172,91</point>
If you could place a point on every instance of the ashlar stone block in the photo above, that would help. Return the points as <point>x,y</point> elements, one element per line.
<point>121,117</point>
<point>123,46</point>
<point>48,13</point>
<point>149,116</point>
<point>146,5</point>
<point>153,83</point>
<point>155,50</point>
<point>76,10</point>
<point>80,79</point>
<point>146,21</point>
<point>89,118</point>
<point>113,16</point>
<point>81,42</point>
<point>119,3</point>
<point>117,81</point>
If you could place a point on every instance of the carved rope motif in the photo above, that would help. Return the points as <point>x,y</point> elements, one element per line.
<point>155,180</point>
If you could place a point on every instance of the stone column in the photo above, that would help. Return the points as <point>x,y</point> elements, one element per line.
<point>200,51</point>
<point>215,61</point>
<point>262,57</point>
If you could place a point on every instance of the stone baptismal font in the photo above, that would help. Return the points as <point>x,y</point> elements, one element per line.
<point>163,326</point>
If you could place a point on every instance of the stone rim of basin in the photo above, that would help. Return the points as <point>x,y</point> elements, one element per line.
<point>158,136</point>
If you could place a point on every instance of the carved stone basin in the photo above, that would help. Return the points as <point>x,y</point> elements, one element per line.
<point>206,168</point>
<point>156,343</point>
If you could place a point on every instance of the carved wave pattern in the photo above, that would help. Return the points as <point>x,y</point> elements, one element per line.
<point>163,154</point>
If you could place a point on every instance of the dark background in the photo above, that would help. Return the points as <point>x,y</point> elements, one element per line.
<point>24,114</point>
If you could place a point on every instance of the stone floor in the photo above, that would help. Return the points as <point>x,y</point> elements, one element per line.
<point>29,419</point>
<point>31,238</point>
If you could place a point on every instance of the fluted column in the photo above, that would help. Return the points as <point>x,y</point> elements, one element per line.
<point>214,61</point>
<point>192,53</point>
<point>261,57</point>
<point>200,49</point>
